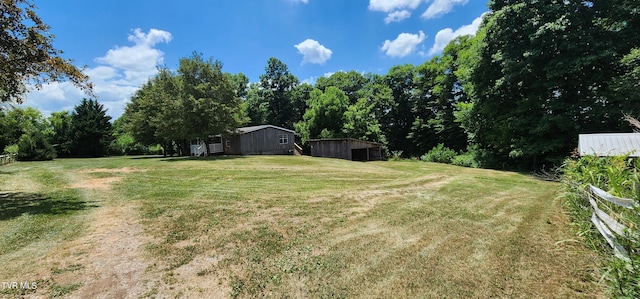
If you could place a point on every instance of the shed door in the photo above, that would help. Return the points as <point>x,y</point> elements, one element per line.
<point>359,154</point>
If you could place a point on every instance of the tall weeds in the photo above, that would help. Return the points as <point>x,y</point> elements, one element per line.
<point>619,176</point>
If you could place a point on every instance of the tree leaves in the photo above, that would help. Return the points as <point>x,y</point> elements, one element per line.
<point>27,55</point>
<point>196,103</point>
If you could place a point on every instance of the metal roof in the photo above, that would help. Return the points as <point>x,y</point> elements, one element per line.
<point>343,139</point>
<point>609,144</point>
<point>246,130</point>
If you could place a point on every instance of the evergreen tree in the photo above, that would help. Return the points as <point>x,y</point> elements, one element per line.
<point>90,129</point>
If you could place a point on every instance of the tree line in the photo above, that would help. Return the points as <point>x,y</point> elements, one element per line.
<point>515,95</point>
<point>85,132</point>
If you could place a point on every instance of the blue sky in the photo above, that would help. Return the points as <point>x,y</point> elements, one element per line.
<point>122,42</point>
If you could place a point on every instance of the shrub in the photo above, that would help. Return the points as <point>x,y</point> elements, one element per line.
<point>11,149</point>
<point>155,150</point>
<point>34,146</point>
<point>439,154</point>
<point>467,159</point>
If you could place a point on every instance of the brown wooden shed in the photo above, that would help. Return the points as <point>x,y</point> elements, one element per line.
<point>346,148</point>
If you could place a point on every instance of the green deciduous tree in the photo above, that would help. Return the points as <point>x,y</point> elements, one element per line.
<point>16,122</point>
<point>34,146</point>
<point>439,92</point>
<point>256,105</point>
<point>349,82</point>
<point>123,141</point>
<point>277,83</point>
<point>60,123</point>
<point>208,98</point>
<point>299,96</point>
<point>325,116</point>
<point>155,114</point>
<point>397,121</point>
<point>240,84</point>
<point>362,120</point>
<point>197,102</point>
<point>27,54</point>
<point>543,75</point>
<point>627,85</point>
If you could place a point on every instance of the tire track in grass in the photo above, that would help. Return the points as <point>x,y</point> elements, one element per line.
<point>110,253</point>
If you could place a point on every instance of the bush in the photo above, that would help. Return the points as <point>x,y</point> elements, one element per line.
<point>467,159</point>
<point>156,150</point>
<point>11,149</point>
<point>618,176</point>
<point>34,146</point>
<point>125,144</point>
<point>439,154</point>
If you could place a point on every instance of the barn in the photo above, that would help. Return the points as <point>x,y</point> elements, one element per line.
<point>609,144</point>
<point>254,140</point>
<point>346,148</point>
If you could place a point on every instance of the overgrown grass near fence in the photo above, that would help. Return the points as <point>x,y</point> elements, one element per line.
<point>620,177</point>
<point>6,159</point>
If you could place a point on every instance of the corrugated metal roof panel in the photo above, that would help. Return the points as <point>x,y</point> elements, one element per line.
<point>609,144</point>
<point>246,130</point>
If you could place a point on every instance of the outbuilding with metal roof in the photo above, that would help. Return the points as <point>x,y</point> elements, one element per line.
<point>609,144</point>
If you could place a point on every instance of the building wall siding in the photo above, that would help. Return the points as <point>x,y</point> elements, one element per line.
<point>342,148</point>
<point>261,142</point>
<point>235,147</point>
<point>331,149</point>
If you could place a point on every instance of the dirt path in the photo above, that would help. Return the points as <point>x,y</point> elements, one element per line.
<point>107,261</point>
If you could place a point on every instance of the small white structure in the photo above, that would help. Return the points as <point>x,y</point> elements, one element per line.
<point>609,144</point>
<point>198,147</point>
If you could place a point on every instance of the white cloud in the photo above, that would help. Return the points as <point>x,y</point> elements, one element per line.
<point>138,62</point>
<point>303,1</point>
<point>397,10</point>
<point>444,36</point>
<point>54,97</point>
<point>397,16</point>
<point>122,71</point>
<point>392,5</point>
<point>403,45</point>
<point>313,52</point>
<point>441,7</point>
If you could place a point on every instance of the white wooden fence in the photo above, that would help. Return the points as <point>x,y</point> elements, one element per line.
<point>608,226</point>
<point>6,159</point>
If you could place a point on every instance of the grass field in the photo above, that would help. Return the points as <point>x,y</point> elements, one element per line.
<point>284,227</point>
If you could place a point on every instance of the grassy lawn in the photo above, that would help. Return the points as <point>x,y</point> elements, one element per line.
<point>285,227</point>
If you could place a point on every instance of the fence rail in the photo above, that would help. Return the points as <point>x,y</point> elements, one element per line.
<point>607,225</point>
<point>6,159</point>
